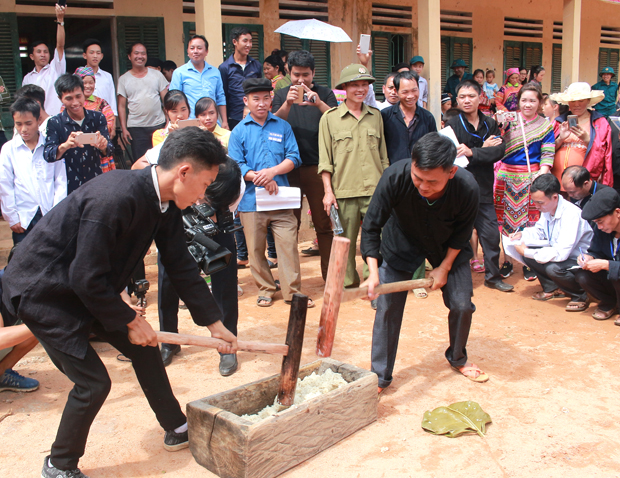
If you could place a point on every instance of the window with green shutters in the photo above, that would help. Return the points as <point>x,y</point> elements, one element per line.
<point>608,57</point>
<point>257,51</point>
<point>518,54</point>
<point>454,48</point>
<point>320,52</point>
<point>10,64</point>
<point>556,69</point>
<point>388,50</point>
<point>148,31</point>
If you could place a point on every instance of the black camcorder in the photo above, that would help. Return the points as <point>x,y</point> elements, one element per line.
<point>199,228</point>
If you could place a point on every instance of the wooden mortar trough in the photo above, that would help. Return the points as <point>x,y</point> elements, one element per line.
<point>233,447</point>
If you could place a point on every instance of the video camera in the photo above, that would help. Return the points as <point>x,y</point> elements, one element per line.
<point>199,227</point>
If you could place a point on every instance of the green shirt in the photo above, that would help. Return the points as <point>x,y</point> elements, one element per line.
<point>283,83</point>
<point>352,150</point>
<point>607,107</point>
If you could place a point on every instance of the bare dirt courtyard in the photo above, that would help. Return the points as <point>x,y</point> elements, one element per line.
<point>552,395</point>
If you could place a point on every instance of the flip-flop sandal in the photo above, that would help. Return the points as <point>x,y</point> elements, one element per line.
<point>556,294</point>
<point>476,265</point>
<point>311,303</point>
<point>600,314</point>
<point>278,286</point>
<point>263,298</point>
<point>420,293</point>
<point>577,306</point>
<point>473,373</point>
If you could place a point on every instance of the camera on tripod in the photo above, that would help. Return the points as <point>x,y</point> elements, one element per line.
<point>199,228</point>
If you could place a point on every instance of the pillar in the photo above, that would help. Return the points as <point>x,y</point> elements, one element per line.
<point>571,35</point>
<point>429,41</point>
<point>209,24</point>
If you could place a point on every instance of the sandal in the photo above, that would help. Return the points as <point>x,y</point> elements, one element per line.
<point>476,265</point>
<point>263,298</point>
<point>473,373</point>
<point>600,314</point>
<point>420,293</point>
<point>311,303</point>
<point>577,305</point>
<point>542,295</point>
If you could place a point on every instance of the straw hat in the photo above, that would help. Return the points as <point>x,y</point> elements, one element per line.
<point>579,91</point>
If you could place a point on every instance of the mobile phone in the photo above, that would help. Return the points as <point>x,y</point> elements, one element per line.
<point>300,94</point>
<point>364,44</point>
<point>510,116</point>
<point>188,122</point>
<point>572,121</point>
<point>62,3</point>
<point>615,120</point>
<point>87,138</point>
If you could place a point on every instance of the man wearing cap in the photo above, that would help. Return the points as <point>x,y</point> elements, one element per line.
<point>563,235</point>
<point>459,67</point>
<point>352,157</point>
<point>600,266</point>
<point>417,66</point>
<point>607,107</point>
<point>578,184</point>
<point>264,146</point>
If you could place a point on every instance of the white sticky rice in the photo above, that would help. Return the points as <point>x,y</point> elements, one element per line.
<point>310,387</point>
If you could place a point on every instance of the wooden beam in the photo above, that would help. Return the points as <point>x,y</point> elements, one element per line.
<point>209,24</point>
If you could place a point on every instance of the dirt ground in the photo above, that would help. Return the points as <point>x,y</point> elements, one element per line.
<point>551,395</point>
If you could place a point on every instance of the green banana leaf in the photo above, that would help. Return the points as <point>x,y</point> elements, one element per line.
<point>456,419</point>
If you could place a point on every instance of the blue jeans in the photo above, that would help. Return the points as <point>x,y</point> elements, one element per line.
<point>242,248</point>
<point>20,236</point>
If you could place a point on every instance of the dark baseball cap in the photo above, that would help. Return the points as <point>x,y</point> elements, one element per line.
<point>602,203</point>
<point>252,85</point>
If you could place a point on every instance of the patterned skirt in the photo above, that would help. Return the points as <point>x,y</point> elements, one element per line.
<point>513,204</point>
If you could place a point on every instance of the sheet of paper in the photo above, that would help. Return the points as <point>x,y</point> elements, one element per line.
<point>574,267</point>
<point>509,248</point>
<point>287,198</point>
<point>448,132</point>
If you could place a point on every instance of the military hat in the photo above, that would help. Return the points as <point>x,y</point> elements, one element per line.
<point>457,63</point>
<point>607,69</point>
<point>416,59</point>
<point>602,203</point>
<point>252,85</point>
<point>354,72</point>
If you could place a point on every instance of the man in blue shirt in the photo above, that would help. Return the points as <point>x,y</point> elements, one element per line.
<point>266,150</point>
<point>197,79</point>
<point>239,67</point>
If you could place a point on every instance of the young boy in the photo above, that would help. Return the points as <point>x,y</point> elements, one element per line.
<point>490,87</point>
<point>417,66</point>
<point>607,107</point>
<point>29,186</point>
<point>37,94</point>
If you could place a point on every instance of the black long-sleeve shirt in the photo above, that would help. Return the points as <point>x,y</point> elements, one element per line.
<point>402,228</point>
<point>72,267</point>
<point>398,140</point>
<point>482,160</point>
<point>602,247</point>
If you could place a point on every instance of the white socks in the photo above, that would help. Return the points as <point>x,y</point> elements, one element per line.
<point>181,429</point>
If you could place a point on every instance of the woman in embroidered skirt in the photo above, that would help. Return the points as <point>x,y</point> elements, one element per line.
<point>513,205</point>
<point>506,98</point>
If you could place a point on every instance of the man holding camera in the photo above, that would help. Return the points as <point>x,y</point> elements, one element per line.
<point>65,280</point>
<point>303,112</point>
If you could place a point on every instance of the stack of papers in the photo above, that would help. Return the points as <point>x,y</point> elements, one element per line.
<point>286,198</point>
<point>448,132</point>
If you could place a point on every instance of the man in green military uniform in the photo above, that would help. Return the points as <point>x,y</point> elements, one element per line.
<point>352,157</point>
<point>459,67</point>
<point>607,107</point>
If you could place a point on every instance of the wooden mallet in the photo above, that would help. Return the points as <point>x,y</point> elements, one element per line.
<point>335,293</point>
<point>291,350</point>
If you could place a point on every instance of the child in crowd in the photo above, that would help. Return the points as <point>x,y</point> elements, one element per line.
<point>29,185</point>
<point>485,103</point>
<point>176,107</point>
<point>37,94</point>
<point>490,87</point>
<point>206,113</point>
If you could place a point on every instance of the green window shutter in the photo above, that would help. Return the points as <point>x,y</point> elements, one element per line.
<point>10,63</point>
<point>512,55</point>
<point>462,48</point>
<point>189,30</point>
<point>454,48</point>
<point>556,69</point>
<point>608,57</point>
<point>613,59</point>
<point>148,31</point>
<point>320,52</point>
<point>381,60</point>
<point>445,59</point>
<point>257,51</point>
<point>532,54</point>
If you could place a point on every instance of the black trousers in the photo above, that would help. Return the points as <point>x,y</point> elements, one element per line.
<point>600,287</point>
<point>389,317</point>
<point>92,385</point>
<point>142,139</point>
<point>223,287</point>
<point>232,123</point>
<point>488,235</point>
<point>554,275</point>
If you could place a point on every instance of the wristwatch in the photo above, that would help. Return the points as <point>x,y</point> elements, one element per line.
<point>62,24</point>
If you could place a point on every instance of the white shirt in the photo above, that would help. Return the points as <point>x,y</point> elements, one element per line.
<point>163,206</point>
<point>28,182</point>
<point>104,88</point>
<point>423,87</point>
<point>46,79</point>
<point>566,232</point>
<point>383,104</point>
<point>371,99</point>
